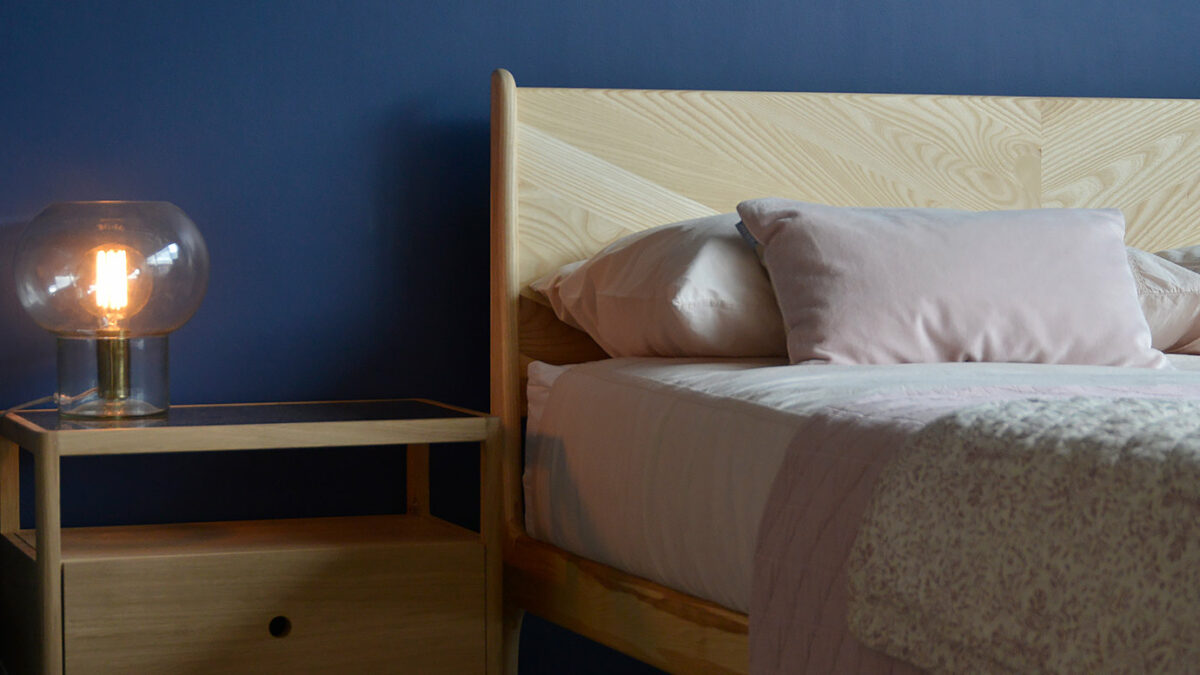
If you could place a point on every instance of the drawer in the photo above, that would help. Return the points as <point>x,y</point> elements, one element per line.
<point>389,608</point>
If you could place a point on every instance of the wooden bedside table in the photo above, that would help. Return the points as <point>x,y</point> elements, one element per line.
<point>366,594</point>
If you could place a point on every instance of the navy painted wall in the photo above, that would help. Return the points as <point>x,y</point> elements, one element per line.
<point>335,156</point>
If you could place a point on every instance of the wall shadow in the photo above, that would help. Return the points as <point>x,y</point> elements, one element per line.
<point>432,202</point>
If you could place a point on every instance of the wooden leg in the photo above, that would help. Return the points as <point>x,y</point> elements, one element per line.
<point>49,557</point>
<point>513,616</point>
<point>10,486</point>
<point>489,525</point>
<point>418,479</point>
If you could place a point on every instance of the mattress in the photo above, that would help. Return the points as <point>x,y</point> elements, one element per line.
<point>662,467</point>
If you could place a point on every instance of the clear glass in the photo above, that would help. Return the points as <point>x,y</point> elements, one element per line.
<point>89,269</point>
<point>111,279</point>
<point>87,387</point>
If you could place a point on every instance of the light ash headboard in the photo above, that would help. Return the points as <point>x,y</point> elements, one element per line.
<point>574,169</point>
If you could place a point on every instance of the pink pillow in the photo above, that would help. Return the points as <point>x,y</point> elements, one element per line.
<point>691,288</point>
<point>863,285</point>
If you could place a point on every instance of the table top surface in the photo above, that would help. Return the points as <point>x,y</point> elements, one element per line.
<point>249,425</point>
<point>255,413</point>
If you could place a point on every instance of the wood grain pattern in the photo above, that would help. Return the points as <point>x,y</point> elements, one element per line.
<point>718,147</point>
<point>544,338</point>
<point>506,372</point>
<point>209,589</point>
<point>24,433</point>
<point>195,582</point>
<point>220,537</point>
<point>592,203</point>
<point>595,164</point>
<point>1142,156</point>
<point>10,486</point>
<point>652,623</point>
<point>491,520</point>
<point>49,556</point>
<point>411,606</point>
<point>126,441</point>
<point>574,169</point>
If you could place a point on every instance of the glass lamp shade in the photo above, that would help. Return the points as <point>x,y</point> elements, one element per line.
<point>113,278</point>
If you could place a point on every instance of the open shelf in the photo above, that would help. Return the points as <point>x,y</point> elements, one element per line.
<point>291,534</point>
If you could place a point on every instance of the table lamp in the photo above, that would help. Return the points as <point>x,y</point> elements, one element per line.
<point>111,279</point>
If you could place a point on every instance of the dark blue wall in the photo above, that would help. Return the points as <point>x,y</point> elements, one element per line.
<point>335,156</point>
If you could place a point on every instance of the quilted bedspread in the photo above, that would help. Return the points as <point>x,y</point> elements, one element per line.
<point>1037,535</point>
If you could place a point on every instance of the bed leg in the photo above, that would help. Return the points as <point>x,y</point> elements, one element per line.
<point>513,616</point>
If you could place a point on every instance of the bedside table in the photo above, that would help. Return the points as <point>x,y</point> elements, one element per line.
<point>365,594</point>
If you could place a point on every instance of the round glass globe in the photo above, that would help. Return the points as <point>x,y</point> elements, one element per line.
<point>111,280</point>
<point>96,269</point>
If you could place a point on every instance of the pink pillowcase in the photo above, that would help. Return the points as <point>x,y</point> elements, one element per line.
<point>691,288</point>
<point>874,286</point>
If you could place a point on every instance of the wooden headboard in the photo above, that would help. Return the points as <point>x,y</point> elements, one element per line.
<point>574,169</point>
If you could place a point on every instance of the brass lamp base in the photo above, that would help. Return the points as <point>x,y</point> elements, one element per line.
<point>112,368</point>
<point>112,376</point>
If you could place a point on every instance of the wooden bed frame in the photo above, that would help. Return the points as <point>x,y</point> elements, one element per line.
<point>574,169</point>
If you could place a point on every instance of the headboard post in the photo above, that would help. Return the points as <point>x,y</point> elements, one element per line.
<point>505,375</point>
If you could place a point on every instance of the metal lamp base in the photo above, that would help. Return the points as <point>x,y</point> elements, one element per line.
<point>112,376</point>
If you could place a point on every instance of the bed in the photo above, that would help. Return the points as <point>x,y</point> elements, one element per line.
<point>575,169</point>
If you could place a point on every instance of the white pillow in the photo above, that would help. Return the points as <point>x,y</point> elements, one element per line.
<point>1188,256</point>
<point>686,289</point>
<point>1170,297</point>
<point>862,285</point>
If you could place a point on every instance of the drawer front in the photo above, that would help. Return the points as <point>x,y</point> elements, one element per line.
<point>380,609</point>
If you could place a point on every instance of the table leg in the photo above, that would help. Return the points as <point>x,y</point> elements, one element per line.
<point>490,519</point>
<point>49,558</point>
<point>417,488</point>
<point>513,617</point>
<point>10,486</point>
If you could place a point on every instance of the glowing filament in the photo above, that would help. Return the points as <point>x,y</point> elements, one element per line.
<point>112,280</point>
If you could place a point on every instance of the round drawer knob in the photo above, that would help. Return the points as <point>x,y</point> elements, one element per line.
<point>280,626</point>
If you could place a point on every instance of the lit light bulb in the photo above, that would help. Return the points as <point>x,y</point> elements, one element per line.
<point>119,289</point>
<point>81,273</point>
<point>112,283</point>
